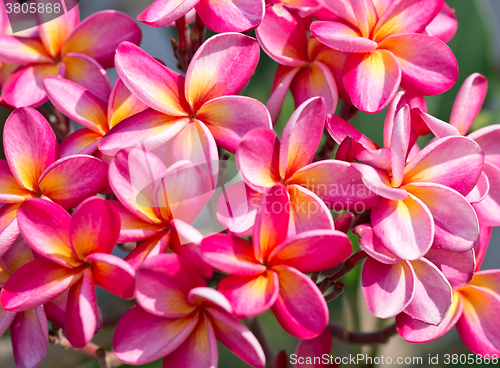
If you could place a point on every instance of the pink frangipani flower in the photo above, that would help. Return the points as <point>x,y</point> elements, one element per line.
<point>33,169</point>
<point>158,204</point>
<point>66,48</point>
<point>196,113</point>
<point>305,64</point>
<point>270,272</point>
<point>265,161</point>
<point>75,255</point>
<point>98,114</point>
<point>179,318</point>
<point>386,50</point>
<point>218,15</point>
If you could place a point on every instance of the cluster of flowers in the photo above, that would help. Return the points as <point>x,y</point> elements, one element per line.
<point>152,141</point>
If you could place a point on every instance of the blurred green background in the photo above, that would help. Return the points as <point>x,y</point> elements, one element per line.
<point>476,46</point>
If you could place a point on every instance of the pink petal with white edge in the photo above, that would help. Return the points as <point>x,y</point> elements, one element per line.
<point>46,227</point>
<point>22,50</point>
<point>142,338</point>
<point>428,66</point>
<point>283,79</point>
<point>53,32</point>
<point>310,349</point>
<point>8,227</point>
<point>77,103</point>
<point>224,119</point>
<point>30,146</point>
<point>373,246</point>
<point>95,227</point>
<point>487,138</point>
<point>258,158</point>
<point>71,179</point>
<point>199,350</point>
<point>237,338</point>
<point>122,103</point>
<point>300,308</point>
<point>432,296</point>
<point>112,274</point>
<point>139,127</point>
<point>372,79</point>
<point>163,12</point>
<point>221,66</point>
<point>307,211</point>
<point>476,329</point>
<point>83,141</point>
<point>412,330</point>
<point>209,298</point>
<point>250,295</point>
<point>455,221</point>
<point>301,136</point>
<point>152,82</point>
<point>458,268</point>
<point>339,129</point>
<point>25,88</point>
<point>81,311</point>
<point>99,35</point>
<point>24,291</point>
<point>88,73</point>
<point>316,80</point>
<point>337,183</point>
<point>406,16</point>
<point>468,102</point>
<point>424,123</point>
<point>148,248</point>
<point>341,37</point>
<point>481,245</point>
<point>444,25</point>
<point>378,181</point>
<point>481,190</point>
<point>283,36</point>
<point>406,227</point>
<point>488,209</point>
<point>163,283</point>
<point>230,15</point>
<point>312,251</point>
<point>387,289</point>
<point>455,162</point>
<point>231,254</point>
<point>30,337</point>
<point>400,141</point>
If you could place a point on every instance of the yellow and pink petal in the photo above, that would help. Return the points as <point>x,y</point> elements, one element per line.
<point>231,15</point>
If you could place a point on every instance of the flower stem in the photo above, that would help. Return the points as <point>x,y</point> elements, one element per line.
<point>349,264</point>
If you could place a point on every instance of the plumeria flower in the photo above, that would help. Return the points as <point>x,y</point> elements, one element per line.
<point>75,255</point>
<point>179,318</point>
<point>304,8</point>
<point>305,64</point>
<point>98,116</point>
<point>269,272</point>
<point>265,161</point>
<point>158,204</point>
<point>196,113</point>
<point>475,299</point>
<point>33,169</point>
<point>66,48</point>
<point>423,199</point>
<point>218,15</point>
<point>486,196</point>
<point>386,50</point>
<point>444,25</point>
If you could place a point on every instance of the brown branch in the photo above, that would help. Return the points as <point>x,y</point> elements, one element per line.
<point>349,264</point>
<point>338,289</point>
<point>361,338</point>
<point>182,47</point>
<point>106,359</point>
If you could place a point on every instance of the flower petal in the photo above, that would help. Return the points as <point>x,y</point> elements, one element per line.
<point>282,81</point>
<point>71,179</point>
<point>99,35</point>
<point>250,295</point>
<point>231,15</point>
<point>428,66</point>
<point>30,146</point>
<point>221,66</point>
<point>148,248</point>
<point>488,209</point>
<point>77,103</point>
<point>458,268</point>
<point>83,141</point>
<point>341,37</point>
<point>400,141</point>
<point>444,25</point>
<point>373,246</point>
<point>313,348</point>
<point>112,274</point>
<point>122,103</point>
<point>163,12</point>
<point>378,181</point>
<point>54,31</point>
<point>10,190</point>
<point>300,308</point>
<point>37,283</point>
<point>468,102</point>
<point>372,79</point>
<point>487,138</point>
<point>209,298</point>
<point>387,289</point>
<point>405,227</point>
<point>22,50</point>
<point>283,36</point>
<point>432,296</point>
